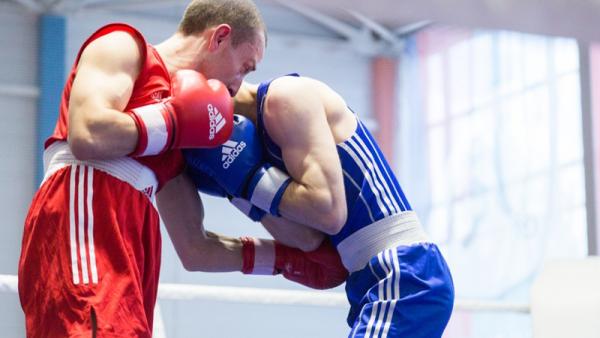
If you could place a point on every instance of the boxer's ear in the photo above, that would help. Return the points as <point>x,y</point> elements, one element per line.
<point>220,35</point>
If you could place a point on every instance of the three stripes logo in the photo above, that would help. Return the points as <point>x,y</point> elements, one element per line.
<point>216,121</point>
<point>157,96</point>
<point>148,191</point>
<point>230,151</point>
<point>81,225</point>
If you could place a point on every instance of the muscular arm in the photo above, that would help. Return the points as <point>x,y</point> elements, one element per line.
<point>199,250</point>
<point>296,120</point>
<point>106,73</point>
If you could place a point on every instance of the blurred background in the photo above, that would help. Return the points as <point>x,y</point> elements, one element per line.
<point>485,108</point>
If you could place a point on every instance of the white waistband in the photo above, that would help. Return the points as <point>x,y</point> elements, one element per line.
<point>59,155</point>
<point>400,229</point>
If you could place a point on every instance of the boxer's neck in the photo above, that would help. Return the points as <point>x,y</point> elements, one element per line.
<point>182,52</point>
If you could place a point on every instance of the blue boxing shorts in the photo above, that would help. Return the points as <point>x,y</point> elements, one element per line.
<point>406,291</point>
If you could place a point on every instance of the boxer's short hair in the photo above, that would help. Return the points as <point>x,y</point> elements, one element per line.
<point>242,15</point>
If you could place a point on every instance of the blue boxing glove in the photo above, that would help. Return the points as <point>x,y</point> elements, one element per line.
<point>238,167</point>
<point>205,184</point>
<point>231,165</point>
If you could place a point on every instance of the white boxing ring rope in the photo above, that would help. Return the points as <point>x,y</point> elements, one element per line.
<point>168,291</point>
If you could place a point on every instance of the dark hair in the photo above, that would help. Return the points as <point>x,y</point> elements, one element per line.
<point>242,15</point>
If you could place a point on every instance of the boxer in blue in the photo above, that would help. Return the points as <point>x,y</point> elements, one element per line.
<point>310,172</point>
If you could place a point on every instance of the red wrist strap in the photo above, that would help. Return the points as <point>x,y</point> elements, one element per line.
<point>142,142</point>
<point>248,254</point>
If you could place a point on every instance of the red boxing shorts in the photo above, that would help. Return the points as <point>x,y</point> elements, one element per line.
<point>91,249</point>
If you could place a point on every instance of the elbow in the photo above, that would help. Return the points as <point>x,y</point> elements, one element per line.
<point>189,265</point>
<point>334,221</point>
<point>85,138</point>
<point>190,253</point>
<point>81,141</point>
<point>82,148</point>
<point>312,241</point>
<point>186,257</point>
<point>332,214</point>
<point>190,261</point>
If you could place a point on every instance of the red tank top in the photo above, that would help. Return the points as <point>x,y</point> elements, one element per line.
<point>152,84</point>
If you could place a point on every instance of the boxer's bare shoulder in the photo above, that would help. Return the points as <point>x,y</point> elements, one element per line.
<point>117,50</point>
<point>290,96</point>
<point>298,89</point>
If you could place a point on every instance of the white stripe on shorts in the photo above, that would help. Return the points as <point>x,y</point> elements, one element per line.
<point>81,225</point>
<point>74,266</point>
<point>82,198</point>
<point>90,190</point>
<point>390,312</point>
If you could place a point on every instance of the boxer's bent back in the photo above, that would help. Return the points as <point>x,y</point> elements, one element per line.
<point>399,283</point>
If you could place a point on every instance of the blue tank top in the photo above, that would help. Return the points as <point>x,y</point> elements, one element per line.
<point>372,190</point>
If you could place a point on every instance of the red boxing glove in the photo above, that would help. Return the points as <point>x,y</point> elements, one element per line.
<point>199,114</point>
<point>318,269</point>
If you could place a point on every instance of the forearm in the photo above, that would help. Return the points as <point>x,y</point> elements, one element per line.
<point>108,134</point>
<point>183,215</point>
<point>292,233</point>
<point>320,205</point>
<point>321,209</point>
<point>211,252</point>
<point>201,250</point>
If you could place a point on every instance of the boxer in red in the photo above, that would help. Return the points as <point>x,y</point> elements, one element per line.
<point>90,256</point>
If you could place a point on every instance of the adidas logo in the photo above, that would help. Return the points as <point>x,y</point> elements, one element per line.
<point>156,96</point>
<point>230,151</point>
<point>216,121</point>
<point>148,191</point>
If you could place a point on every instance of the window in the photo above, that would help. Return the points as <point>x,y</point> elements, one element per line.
<point>491,157</point>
